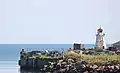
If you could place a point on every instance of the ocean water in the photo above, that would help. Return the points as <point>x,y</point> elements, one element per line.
<point>9,54</point>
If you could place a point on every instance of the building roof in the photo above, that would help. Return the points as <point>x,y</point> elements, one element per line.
<point>116,43</point>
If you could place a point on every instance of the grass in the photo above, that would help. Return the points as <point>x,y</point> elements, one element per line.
<point>44,57</point>
<point>41,57</point>
<point>101,59</point>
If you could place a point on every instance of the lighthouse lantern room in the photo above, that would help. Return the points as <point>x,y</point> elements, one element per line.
<point>100,43</point>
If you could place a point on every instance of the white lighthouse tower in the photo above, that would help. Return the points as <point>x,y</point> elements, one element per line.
<point>100,42</point>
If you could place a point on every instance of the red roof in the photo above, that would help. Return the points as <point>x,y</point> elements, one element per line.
<point>118,50</point>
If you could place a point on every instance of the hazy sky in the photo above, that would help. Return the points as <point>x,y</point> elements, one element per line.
<point>58,21</point>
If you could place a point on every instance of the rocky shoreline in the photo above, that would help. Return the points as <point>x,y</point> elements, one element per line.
<point>71,62</point>
<point>71,66</point>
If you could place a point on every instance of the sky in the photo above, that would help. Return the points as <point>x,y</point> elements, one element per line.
<point>58,21</point>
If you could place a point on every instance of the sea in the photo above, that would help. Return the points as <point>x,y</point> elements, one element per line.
<point>9,54</point>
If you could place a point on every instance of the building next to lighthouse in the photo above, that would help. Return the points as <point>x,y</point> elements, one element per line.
<point>100,42</point>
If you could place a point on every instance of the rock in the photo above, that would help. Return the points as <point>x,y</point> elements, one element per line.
<point>70,60</point>
<point>86,72</point>
<point>60,61</point>
<point>63,63</point>
<point>84,62</point>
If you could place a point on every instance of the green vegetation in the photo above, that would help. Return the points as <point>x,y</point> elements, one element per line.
<point>41,57</point>
<point>44,57</point>
<point>101,59</point>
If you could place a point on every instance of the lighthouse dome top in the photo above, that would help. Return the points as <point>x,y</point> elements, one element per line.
<point>100,30</point>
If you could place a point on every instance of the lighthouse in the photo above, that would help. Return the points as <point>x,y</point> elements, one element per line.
<point>100,42</point>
